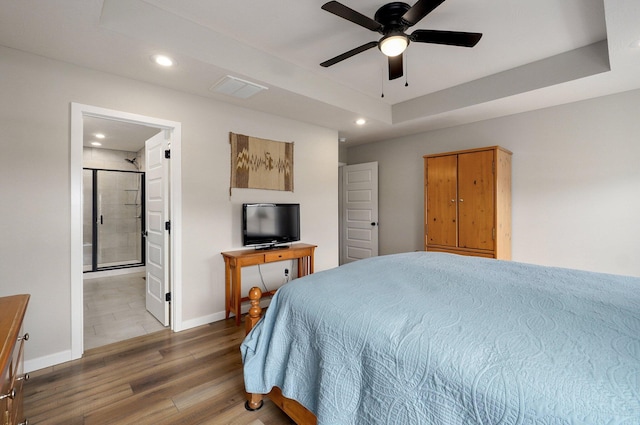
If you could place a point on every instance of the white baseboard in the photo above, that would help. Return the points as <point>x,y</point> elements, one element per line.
<point>47,361</point>
<point>199,321</point>
<point>215,317</point>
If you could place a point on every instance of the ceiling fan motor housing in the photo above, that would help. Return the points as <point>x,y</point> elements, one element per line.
<point>393,27</point>
<point>390,16</point>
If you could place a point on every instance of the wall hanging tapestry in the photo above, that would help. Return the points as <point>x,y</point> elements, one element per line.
<point>260,163</point>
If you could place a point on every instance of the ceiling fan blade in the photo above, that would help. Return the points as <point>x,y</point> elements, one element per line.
<point>349,14</point>
<point>451,38</point>
<point>395,67</point>
<point>347,55</point>
<point>419,10</point>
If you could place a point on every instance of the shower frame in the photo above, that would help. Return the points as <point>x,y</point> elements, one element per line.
<point>95,218</point>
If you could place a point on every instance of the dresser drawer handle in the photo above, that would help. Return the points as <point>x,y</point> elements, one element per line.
<point>24,337</point>
<point>24,377</point>
<point>11,394</point>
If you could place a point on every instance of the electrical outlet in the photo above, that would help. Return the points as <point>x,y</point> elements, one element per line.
<point>286,272</point>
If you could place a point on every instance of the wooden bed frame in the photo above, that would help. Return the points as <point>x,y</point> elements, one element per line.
<point>292,408</point>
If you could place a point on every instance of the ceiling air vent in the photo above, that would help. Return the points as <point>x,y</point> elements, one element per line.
<point>236,87</point>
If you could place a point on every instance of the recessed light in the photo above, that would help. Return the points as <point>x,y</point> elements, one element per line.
<point>99,135</point>
<point>96,144</point>
<point>361,121</point>
<point>635,44</point>
<point>162,60</point>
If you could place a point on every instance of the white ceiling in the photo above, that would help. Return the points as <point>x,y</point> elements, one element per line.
<point>118,135</point>
<point>533,54</point>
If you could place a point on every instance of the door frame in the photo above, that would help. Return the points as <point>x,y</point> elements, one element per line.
<point>78,112</point>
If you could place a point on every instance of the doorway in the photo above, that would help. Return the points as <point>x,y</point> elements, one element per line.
<point>173,265</point>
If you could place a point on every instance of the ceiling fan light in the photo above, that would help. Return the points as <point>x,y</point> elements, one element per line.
<point>394,45</point>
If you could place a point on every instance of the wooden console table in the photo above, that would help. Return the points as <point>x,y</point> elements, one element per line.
<point>235,260</point>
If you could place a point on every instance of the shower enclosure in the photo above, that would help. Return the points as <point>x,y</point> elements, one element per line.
<point>113,219</point>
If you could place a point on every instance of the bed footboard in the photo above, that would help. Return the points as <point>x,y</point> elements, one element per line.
<point>255,311</point>
<point>292,408</point>
<point>254,401</point>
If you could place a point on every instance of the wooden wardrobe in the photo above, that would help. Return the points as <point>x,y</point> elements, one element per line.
<point>467,197</point>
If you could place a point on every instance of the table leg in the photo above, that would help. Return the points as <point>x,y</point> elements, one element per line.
<point>305,266</point>
<point>227,288</point>
<point>299,275</point>
<point>236,283</point>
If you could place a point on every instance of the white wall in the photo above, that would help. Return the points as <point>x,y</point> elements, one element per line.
<point>576,182</point>
<point>35,197</point>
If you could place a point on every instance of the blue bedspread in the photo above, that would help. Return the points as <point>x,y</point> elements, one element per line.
<point>428,338</point>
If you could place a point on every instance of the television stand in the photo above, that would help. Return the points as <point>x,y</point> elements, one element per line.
<point>235,260</point>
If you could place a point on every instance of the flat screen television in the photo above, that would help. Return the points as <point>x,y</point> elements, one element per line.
<point>268,225</point>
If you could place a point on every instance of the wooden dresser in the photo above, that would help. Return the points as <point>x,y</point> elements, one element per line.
<point>12,338</point>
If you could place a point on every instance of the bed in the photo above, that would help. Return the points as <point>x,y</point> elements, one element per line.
<point>434,338</point>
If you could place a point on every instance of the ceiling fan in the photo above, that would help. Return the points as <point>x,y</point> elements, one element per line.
<point>392,20</point>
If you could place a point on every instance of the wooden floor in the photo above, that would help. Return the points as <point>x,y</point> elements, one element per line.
<point>192,377</point>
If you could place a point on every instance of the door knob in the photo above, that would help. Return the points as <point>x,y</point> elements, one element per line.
<point>373,223</point>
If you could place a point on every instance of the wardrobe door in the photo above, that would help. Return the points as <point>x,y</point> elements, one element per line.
<point>476,200</point>
<point>441,208</point>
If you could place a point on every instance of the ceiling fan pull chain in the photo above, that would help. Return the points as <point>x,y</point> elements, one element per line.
<point>406,69</point>
<point>382,81</point>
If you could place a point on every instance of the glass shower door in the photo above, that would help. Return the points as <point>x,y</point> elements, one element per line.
<point>119,206</point>
<point>113,219</point>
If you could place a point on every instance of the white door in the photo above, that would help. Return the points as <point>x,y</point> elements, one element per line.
<point>157,231</point>
<point>359,211</point>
